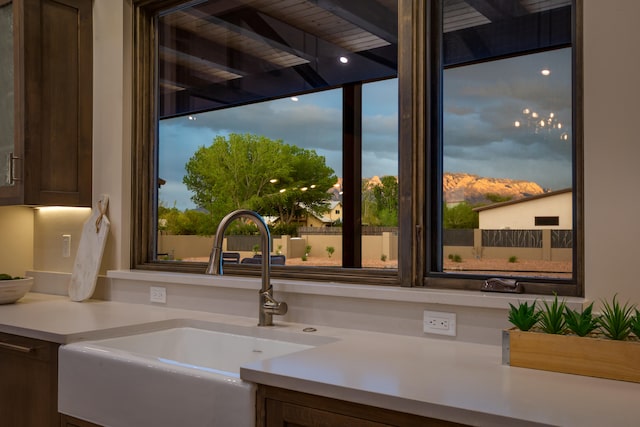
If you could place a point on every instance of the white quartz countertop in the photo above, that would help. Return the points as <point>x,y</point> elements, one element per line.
<point>450,380</point>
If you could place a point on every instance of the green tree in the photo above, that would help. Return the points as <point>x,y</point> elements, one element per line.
<point>174,221</point>
<point>497,198</point>
<point>386,197</point>
<point>461,215</point>
<point>303,189</point>
<point>255,172</point>
<point>380,202</point>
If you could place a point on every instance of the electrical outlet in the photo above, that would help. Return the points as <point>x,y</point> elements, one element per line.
<point>441,323</point>
<point>158,294</point>
<point>66,245</point>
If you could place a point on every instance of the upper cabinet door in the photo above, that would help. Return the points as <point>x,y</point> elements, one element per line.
<point>46,159</point>
<point>10,183</point>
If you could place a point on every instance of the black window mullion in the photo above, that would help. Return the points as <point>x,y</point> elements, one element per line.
<point>352,175</point>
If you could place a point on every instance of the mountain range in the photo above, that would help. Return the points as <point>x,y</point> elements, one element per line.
<point>464,187</point>
<point>473,189</point>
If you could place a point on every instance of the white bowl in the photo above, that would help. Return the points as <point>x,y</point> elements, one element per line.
<point>12,290</point>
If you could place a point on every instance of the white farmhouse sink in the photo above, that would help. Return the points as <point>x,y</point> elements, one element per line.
<point>183,376</point>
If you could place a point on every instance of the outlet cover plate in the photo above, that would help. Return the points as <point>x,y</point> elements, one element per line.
<point>440,323</point>
<point>158,294</point>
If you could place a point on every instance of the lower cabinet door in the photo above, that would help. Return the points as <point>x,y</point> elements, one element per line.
<point>67,421</point>
<point>28,382</point>
<point>278,407</point>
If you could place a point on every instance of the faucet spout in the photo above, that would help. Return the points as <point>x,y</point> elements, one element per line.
<point>268,306</point>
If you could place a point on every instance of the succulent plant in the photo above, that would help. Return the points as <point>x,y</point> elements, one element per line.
<point>635,323</point>
<point>582,323</point>
<point>552,319</point>
<point>524,316</point>
<point>616,320</point>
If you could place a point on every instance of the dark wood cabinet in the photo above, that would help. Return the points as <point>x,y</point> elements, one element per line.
<point>278,407</point>
<point>46,68</point>
<point>28,382</point>
<point>67,421</point>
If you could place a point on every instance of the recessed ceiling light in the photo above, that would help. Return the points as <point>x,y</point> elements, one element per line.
<point>294,98</point>
<point>343,59</point>
<point>193,118</point>
<point>545,72</point>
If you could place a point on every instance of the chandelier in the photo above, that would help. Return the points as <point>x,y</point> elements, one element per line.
<point>548,124</point>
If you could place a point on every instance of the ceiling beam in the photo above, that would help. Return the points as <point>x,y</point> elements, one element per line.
<point>498,10</point>
<point>371,16</point>
<point>536,31</point>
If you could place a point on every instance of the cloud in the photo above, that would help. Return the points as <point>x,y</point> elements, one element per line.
<point>482,103</point>
<point>313,122</point>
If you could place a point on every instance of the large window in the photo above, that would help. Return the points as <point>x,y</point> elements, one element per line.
<point>505,153</point>
<point>288,111</point>
<point>378,149</point>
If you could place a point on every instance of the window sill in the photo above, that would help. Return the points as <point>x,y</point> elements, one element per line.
<point>459,298</point>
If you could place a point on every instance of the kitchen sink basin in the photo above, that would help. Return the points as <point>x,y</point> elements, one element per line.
<point>187,375</point>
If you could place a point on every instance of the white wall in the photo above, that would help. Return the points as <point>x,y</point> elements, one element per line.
<point>521,216</point>
<point>612,175</point>
<point>16,240</point>
<point>612,148</point>
<point>51,223</point>
<point>112,122</point>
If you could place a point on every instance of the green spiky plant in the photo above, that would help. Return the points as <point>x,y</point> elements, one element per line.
<point>616,319</point>
<point>635,323</point>
<point>524,316</point>
<point>583,323</point>
<point>552,319</point>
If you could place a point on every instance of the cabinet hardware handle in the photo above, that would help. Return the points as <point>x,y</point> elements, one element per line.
<point>16,347</point>
<point>12,168</point>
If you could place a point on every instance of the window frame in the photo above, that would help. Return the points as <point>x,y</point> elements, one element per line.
<point>419,159</point>
<point>430,204</point>
<point>144,164</point>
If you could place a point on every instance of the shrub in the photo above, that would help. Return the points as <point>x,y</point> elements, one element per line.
<point>383,257</point>
<point>635,323</point>
<point>616,320</point>
<point>524,316</point>
<point>330,250</point>
<point>582,323</point>
<point>282,229</point>
<point>513,259</point>
<point>552,319</point>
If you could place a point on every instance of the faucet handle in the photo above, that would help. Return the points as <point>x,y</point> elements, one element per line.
<point>272,306</point>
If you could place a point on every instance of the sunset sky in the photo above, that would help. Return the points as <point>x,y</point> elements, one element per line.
<point>482,103</point>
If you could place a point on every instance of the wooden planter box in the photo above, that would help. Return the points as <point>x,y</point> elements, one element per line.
<point>594,357</point>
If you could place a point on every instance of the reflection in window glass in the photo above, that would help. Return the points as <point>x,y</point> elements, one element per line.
<point>507,139</point>
<point>508,161</point>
